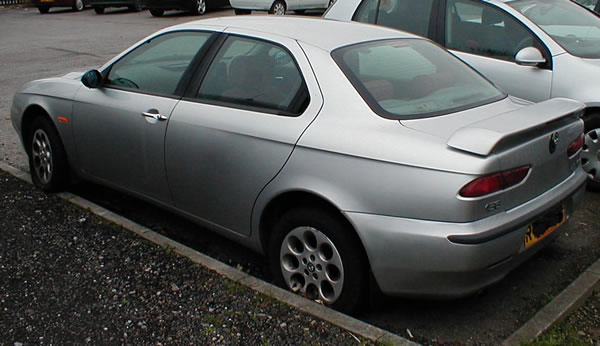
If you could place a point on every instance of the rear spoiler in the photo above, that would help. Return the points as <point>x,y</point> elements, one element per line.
<point>483,137</point>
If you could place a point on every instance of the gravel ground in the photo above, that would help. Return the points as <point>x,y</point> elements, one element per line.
<point>586,320</point>
<point>70,277</point>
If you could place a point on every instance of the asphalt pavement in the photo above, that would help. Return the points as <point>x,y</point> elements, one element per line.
<point>34,46</point>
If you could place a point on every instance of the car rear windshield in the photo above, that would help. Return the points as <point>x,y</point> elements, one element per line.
<point>413,78</point>
<point>574,28</point>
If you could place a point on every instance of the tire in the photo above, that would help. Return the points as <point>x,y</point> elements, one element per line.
<point>136,7</point>
<point>278,8</point>
<point>299,12</point>
<point>157,13</point>
<point>317,255</point>
<point>44,10</point>
<point>590,155</point>
<point>200,7</point>
<point>78,5</point>
<point>99,10</point>
<point>241,12</point>
<point>47,157</point>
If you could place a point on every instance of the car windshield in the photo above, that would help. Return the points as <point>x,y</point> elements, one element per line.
<point>413,78</point>
<point>574,28</point>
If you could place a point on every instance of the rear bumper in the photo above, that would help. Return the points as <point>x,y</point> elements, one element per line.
<point>412,257</point>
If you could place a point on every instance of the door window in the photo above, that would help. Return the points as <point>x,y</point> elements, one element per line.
<point>256,75</point>
<point>408,15</point>
<point>157,65</point>
<point>477,28</point>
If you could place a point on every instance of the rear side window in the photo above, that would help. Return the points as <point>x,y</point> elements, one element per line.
<point>413,78</point>
<point>408,15</point>
<point>256,75</point>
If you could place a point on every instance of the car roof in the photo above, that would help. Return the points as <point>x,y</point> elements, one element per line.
<point>323,33</point>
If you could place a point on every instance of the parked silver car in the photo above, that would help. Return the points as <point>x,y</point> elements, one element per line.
<point>363,150</point>
<point>532,49</point>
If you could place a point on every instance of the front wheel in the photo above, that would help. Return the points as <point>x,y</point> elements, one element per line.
<point>78,5</point>
<point>157,13</point>
<point>590,155</point>
<point>47,157</point>
<point>317,255</point>
<point>278,8</point>
<point>200,7</point>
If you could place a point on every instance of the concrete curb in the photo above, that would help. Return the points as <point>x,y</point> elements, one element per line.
<point>560,307</point>
<point>348,323</point>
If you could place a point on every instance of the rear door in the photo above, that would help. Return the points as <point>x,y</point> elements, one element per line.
<point>238,125</point>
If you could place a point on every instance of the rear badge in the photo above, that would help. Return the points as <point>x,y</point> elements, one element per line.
<point>554,138</point>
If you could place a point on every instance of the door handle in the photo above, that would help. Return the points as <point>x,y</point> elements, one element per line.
<point>156,116</point>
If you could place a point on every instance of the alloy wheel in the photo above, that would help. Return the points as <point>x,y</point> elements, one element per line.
<point>41,152</point>
<point>590,155</point>
<point>311,265</point>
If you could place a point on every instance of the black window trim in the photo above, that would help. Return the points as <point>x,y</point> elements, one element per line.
<point>186,76</point>
<point>202,70</point>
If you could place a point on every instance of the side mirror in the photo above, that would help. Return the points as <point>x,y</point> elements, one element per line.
<point>529,56</point>
<point>92,79</point>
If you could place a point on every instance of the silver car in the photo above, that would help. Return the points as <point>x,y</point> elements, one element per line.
<point>532,49</point>
<point>365,150</point>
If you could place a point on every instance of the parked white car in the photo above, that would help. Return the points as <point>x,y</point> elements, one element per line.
<point>279,6</point>
<point>532,49</point>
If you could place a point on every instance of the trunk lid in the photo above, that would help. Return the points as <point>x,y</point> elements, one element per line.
<point>515,135</point>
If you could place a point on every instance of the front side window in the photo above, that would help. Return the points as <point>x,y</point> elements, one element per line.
<point>157,65</point>
<point>478,28</point>
<point>254,74</point>
<point>407,15</point>
<point>574,28</point>
<point>413,78</point>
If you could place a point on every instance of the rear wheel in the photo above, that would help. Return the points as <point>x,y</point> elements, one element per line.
<point>315,254</point>
<point>157,13</point>
<point>278,8</point>
<point>200,7</point>
<point>78,5</point>
<point>590,155</point>
<point>44,9</point>
<point>47,157</point>
<point>99,10</point>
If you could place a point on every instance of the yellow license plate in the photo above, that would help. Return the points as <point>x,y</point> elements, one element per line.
<point>541,228</point>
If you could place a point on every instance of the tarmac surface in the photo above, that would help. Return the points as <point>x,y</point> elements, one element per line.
<point>37,46</point>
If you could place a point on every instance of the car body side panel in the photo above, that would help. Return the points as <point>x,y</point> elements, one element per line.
<point>115,143</point>
<point>220,158</point>
<point>55,97</point>
<point>570,75</point>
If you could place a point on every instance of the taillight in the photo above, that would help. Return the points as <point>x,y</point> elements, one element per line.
<point>574,147</point>
<point>494,182</point>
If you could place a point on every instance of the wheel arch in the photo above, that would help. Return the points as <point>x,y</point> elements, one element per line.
<point>30,113</point>
<point>295,199</point>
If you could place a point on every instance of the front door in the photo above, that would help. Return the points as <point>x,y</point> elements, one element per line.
<point>120,127</point>
<point>488,39</point>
